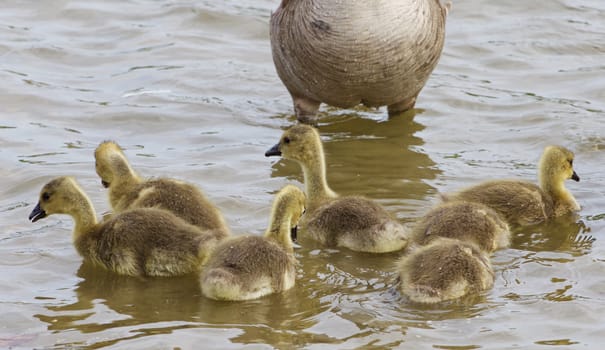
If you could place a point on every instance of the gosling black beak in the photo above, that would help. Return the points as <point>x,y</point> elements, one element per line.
<point>575,176</point>
<point>37,213</point>
<point>273,151</point>
<point>294,234</point>
<point>105,184</point>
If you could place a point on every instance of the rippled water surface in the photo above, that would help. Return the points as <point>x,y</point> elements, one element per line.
<point>188,88</point>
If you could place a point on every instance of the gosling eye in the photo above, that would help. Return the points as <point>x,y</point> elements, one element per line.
<point>571,162</point>
<point>286,140</point>
<point>45,196</point>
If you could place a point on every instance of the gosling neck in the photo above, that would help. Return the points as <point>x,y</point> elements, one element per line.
<point>124,178</point>
<point>561,196</point>
<point>83,214</point>
<point>316,185</point>
<point>280,228</point>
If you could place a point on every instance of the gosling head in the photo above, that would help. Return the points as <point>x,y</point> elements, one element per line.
<point>300,143</point>
<point>556,165</point>
<point>56,197</point>
<point>290,201</point>
<point>110,162</point>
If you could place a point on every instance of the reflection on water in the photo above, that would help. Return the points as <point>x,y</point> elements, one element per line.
<point>565,233</point>
<point>106,301</point>
<point>154,300</point>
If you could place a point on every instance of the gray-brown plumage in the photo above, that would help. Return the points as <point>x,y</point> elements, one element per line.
<point>524,203</point>
<point>127,190</point>
<point>249,267</point>
<point>345,53</point>
<point>445,269</point>
<point>353,222</point>
<point>137,242</point>
<point>465,221</point>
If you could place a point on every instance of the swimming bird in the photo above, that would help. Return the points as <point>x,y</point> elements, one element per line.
<point>524,203</point>
<point>249,267</point>
<point>127,190</point>
<point>137,242</point>
<point>353,222</point>
<point>465,221</point>
<point>345,53</point>
<point>444,269</point>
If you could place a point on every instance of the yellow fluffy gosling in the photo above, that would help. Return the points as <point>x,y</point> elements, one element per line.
<point>466,221</point>
<point>445,269</point>
<point>137,242</point>
<point>352,222</point>
<point>250,267</point>
<point>127,190</point>
<point>525,203</point>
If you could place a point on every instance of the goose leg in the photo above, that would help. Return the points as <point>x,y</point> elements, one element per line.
<point>402,106</point>
<point>306,109</point>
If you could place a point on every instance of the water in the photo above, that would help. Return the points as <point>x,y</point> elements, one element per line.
<point>189,90</point>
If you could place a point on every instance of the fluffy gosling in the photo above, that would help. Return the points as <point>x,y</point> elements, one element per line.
<point>127,190</point>
<point>353,222</point>
<point>250,267</point>
<point>137,242</point>
<point>524,203</point>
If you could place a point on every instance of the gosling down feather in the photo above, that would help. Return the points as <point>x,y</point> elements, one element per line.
<point>445,269</point>
<point>465,221</point>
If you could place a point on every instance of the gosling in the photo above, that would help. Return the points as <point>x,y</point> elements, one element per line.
<point>465,221</point>
<point>445,269</point>
<point>137,242</point>
<point>251,267</point>
<point>523,203</point>
<point>127,190</point>
<point>353,222</point>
